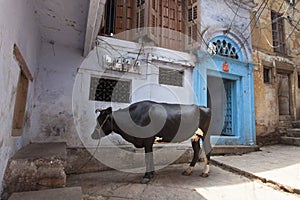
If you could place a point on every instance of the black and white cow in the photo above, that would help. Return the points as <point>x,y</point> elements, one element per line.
<point>142,122</point>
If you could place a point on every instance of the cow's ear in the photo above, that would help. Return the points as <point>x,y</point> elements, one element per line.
<point>108,110</point>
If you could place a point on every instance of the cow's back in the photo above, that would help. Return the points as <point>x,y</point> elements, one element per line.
<point>180,121</point>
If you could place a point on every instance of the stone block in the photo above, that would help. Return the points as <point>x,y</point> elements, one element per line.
<point>35,167</point>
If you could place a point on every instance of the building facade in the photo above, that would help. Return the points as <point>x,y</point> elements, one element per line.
<point>214,39</point>
<point>275,40</point>
<point>169,51</point>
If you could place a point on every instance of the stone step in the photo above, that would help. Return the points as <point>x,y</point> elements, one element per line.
<point>68,193</point>
<point>36,166</point>
<point>290,140</point>
<point>296,124</point>
<point>285,124</point>
<point>295,132</point>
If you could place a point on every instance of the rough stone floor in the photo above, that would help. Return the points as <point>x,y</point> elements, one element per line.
<point>168,183</point>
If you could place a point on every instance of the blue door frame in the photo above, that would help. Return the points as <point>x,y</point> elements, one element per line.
<point>241,74</point>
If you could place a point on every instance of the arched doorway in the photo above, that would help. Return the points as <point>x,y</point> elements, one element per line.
<point>229,82</point>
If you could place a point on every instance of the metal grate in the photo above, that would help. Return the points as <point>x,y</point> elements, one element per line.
<point>278,32</point>
<point>110,90</point>
<point>170,77</point>
<point>226,49</point>
<point>227,128</point>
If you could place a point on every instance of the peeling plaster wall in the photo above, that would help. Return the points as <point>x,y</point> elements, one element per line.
<point>266,94</point>
<point>17,26</point>
<point>225,22</point>
<point>52,117</point>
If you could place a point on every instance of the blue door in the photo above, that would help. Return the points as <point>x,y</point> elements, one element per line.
<point>229,93</point>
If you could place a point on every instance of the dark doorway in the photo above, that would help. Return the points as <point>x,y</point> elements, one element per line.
<point>221,100</point>
<point>284,94</point>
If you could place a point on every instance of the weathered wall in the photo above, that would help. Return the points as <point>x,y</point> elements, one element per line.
<point>61,66</point>
<point>144,86</point>
<point>17,25</point>
<point>231,19</point>
<point>52,117</point>
<point>268,122</point>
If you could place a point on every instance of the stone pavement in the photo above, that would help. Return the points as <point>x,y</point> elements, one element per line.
<point>69,193</point>
<point>278,165</point>
<point>168,183</point>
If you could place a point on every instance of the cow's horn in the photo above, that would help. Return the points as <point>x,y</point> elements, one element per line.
<point>97,110</point>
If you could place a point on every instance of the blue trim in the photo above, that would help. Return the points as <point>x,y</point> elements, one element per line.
<point>244,112</point>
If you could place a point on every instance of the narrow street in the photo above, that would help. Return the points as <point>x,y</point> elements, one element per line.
<point>168,183</point>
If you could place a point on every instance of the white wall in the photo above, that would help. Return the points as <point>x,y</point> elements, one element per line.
<point>52,117</point>
<point>145,86</point>
<point>218,23</point>
<point>17,26</point>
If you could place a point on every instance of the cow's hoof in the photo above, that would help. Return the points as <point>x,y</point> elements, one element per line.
<point>204,175</point>
<point>145,180</point>
<point>186,173</point>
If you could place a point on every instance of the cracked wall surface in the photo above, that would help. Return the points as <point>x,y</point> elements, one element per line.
<point>21,29</point>
<point>267,104</point>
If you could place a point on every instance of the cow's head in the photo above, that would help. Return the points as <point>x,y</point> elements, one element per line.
<point>103,126</point>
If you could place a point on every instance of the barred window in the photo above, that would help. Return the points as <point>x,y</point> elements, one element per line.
<point>226,49</point>
<point>171,77</point>
<point>110,90</point>
<point>278,32</point>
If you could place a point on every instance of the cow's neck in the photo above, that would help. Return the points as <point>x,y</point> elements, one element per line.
<point>118,130</point>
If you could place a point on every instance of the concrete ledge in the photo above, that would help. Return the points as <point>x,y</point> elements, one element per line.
<point>290,141</point>
<point>295,132</point>
<point>72,193</point>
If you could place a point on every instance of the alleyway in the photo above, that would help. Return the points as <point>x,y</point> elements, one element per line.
<point>279,165</point>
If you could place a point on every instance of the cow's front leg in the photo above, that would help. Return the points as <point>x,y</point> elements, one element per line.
<point>149,164</point>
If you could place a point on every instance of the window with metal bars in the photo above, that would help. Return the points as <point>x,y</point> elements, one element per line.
<point>170,77</point>
<point>140,2</point>
<point>110,90</point>
<point>226,49</point>
<point>278,32</point>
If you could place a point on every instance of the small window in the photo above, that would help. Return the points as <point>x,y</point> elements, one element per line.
<point>171,77</point>
<point>110,90</point>
<point>298,81</point>
<point>267,75</point>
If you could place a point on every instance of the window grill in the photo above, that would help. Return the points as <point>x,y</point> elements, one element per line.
<point>110,90</point>
<point>226,49</point>
<point>171,77</point>
<point>278,32</point>
<point>227,127</point>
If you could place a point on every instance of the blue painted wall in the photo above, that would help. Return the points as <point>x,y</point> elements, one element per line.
<point>241,73</point>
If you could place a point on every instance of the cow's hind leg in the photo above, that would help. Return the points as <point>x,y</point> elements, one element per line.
<point>196,149</point>
<point>207,150</point>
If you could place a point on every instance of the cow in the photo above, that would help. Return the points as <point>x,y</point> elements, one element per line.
<point>142,122</point>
